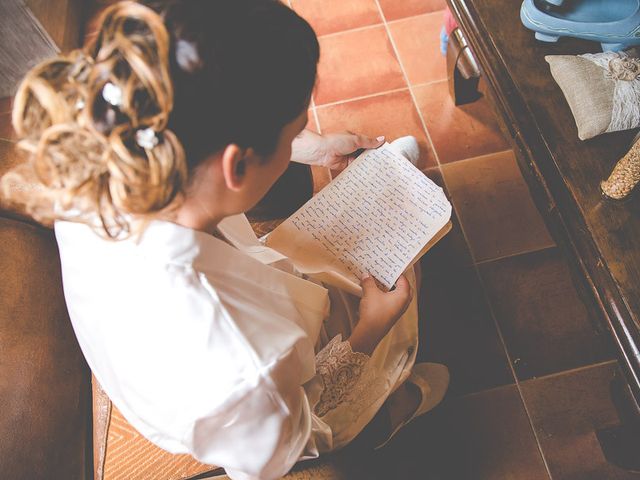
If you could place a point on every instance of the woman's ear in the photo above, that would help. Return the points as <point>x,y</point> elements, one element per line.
<point>234,166</point>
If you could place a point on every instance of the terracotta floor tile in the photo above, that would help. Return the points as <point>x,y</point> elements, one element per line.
<point>311,122</point>
<point>392,115</point>
<point>484,436</point>
<point>395,9</point>
<point>418,43</point>
<point>452,251</point>
<point>545,325</point>
<point>356,63</point>
<point>456,326</point>
<point>495,207</point>
<point>566,411</point>
<point>330,16</point>
<point>459,132</point>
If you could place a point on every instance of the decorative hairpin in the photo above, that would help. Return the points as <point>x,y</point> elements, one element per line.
<point>146,138</point>
<point>112,94</point>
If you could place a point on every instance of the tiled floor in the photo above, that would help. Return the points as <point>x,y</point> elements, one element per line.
<point>530,367</point>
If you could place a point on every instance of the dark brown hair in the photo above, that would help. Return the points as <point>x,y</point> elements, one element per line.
<point>242,69</point>
<point>197,74</point>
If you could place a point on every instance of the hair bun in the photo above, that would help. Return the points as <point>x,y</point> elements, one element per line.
<point>94,126</point>
<point>131,53</point>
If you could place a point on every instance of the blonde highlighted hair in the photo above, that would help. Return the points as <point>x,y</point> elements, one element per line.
<point>82,158</point>
<point>207,72</point>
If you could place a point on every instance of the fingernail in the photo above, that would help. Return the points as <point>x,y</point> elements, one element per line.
<point>380,138</point>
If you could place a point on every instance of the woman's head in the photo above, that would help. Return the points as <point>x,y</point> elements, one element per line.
<point>120,129</point>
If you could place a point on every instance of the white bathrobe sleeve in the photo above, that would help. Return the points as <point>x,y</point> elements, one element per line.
<point>264,431</point>
<point>261,433</point>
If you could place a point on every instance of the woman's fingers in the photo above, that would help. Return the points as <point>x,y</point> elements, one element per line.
<point>403,288</point>
<point>362,141</point>
<point>402,284</point>
<point>368,285</point>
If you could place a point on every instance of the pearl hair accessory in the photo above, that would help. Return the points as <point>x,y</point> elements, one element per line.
<point>112,94</point>
<point>146,138</point>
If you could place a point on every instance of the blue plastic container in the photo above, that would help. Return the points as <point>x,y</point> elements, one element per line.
<point>613,23</point>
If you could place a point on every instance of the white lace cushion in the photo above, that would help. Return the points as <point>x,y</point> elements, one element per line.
<point>602,90</point>
<point>587,91</point>
<point>624,70</point>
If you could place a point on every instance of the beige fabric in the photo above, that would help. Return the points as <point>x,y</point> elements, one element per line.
<point>588,92</point>
<point>121,453</point>
<point>130,456</point>
<point>101,416</point>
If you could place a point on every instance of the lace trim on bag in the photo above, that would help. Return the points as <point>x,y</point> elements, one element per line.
<point>625,71</point>
<point>340,369</point>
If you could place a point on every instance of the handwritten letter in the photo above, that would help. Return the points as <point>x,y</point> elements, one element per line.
<point>376,216</point>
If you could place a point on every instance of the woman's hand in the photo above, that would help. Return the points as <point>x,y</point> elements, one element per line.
<point>333,150</point>
<point>379,311</point>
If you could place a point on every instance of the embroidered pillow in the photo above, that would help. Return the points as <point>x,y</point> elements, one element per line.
<point>602,89</point>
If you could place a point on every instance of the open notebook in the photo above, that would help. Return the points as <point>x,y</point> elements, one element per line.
<point>379,216</point>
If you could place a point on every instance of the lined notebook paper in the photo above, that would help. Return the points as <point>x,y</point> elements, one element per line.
<point>375,218</point>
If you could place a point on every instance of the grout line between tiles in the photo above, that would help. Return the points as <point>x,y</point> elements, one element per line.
<point>438,164</point>
<point>384,92</point>
<point>542,377</point>
<point>453,206</point>
<point>351,30</point>
<point>475,266</point>
<point>486,390</point>
<point>512,368</point>
<point>457,162</point>
<point>571,370</point>
<point>362,97</point>
<point>499,332</point>
<point>377,24</point>
<point>511,255</point>
<point>397,20</point>
<point>406,79</point>
<point>314,110</point>
<point>475,261</point>
<point>431,82</point>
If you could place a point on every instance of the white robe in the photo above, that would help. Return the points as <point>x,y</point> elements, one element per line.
<point>209,349</point>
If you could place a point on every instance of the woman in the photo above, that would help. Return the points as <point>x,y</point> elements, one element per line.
<point>145,151</point>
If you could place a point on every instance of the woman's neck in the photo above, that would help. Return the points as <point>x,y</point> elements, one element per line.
<point>195,214</point>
